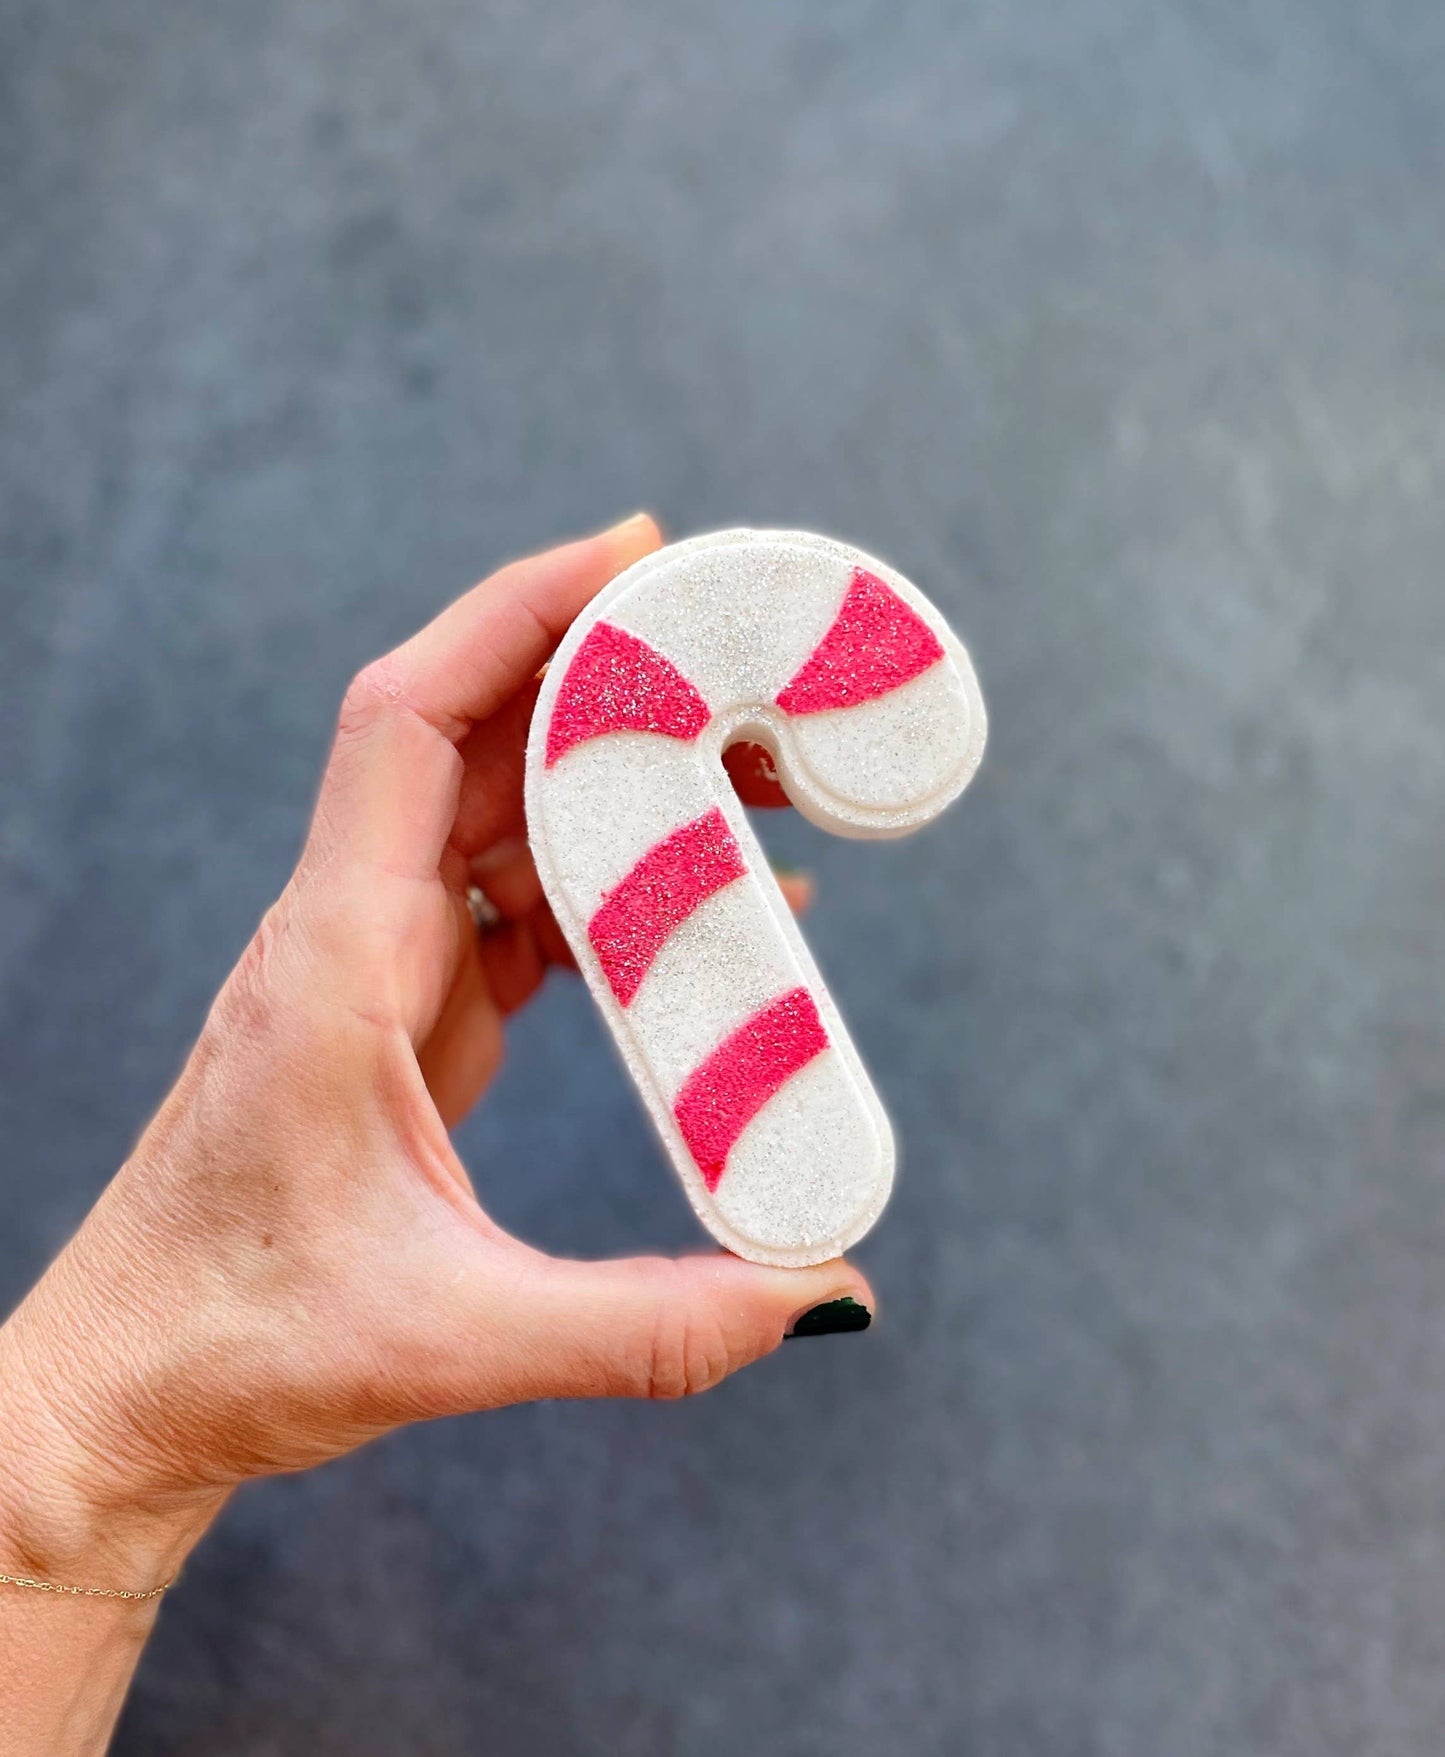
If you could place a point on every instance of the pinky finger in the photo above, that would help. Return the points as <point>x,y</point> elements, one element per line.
<point>798,888</point>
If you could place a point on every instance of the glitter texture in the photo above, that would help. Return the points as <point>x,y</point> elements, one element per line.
<point>868,706</point>
<point>726,961</point>
<point>722,1097</point>
<point>657,896</point>
<point>876,644</point>
<point>618,683</point>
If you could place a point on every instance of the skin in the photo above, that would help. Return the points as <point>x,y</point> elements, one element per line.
<point>294,1261</point>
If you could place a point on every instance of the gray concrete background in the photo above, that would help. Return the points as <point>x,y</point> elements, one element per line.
<point>1119,327</point>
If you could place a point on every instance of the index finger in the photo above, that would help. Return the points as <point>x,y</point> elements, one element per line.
<point>466,662</point>
<point>390,793</point>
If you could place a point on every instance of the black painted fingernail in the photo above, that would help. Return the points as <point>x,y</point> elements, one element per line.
<point>832,1319</point>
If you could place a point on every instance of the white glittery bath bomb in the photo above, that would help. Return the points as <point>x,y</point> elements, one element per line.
<point>869,707</point>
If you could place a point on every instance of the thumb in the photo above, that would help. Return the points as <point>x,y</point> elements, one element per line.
<point>659,1326</point>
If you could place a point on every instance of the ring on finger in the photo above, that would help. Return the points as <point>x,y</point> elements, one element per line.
<point>484,912</point>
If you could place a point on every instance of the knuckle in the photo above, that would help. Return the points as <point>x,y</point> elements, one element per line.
<point>687,1356</point>
<point>374,690</point>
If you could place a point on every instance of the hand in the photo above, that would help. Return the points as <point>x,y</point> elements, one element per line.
<point>294,1260</point>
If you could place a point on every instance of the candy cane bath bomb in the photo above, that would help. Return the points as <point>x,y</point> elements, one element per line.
<point>869,705</point>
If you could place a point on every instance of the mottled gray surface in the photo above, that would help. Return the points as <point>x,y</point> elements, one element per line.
<point>1121,327</point>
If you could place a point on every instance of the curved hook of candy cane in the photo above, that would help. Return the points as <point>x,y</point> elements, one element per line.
<point>869,704</point>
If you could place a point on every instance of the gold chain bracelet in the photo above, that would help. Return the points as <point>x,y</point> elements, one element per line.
<point>82,1591</point>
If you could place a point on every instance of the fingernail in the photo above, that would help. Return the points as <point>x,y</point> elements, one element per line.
<point>624,527</point>
<point>832,1319</point>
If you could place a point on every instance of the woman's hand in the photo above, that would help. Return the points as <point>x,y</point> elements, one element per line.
<point>294,1260</point>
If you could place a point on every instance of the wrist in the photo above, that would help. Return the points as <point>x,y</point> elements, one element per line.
<point>70,1514</point>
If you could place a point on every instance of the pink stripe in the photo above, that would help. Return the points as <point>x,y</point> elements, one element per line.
<point>875,644</point>
<point>662,890</point>
<point>617,683</point>
<point>723,1095</point>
